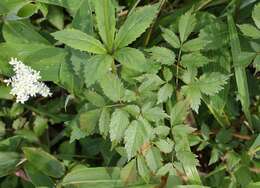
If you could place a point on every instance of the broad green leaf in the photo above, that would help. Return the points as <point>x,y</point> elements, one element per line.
<point>83,19</point>
<point>162,55</point>
<point>153,158</point>
<point>187,24</point>
<point>135,136</point>
<point>79,40</point>
<point>165,145</point>
<point>164,93</point>
<point>150,82</point>
<point>134,110</point>
<point>179,113</point>
<point>22,32</point>
<point>27,10</point>
<point>167,74</point>
<point>170,37</point>
<point>143,170</point>
<point>162,130</point>
<point>44,162</point>
<point>88,121</point>
<point>194,60</point>
<point>40,125</point>
<point>256,15</point>
<point>118,124</point>
<point>250,31</point>
<point>94,98</point>
<point>245,58</point>
<point>153,114</point>
<point>76,132</point>
<point>254,185</point>
<point>135,25</point>
<point>96,68</point>
<point>131,58</point>
<point>43,58</point>
<point>8,162</point>
<point>104,121</point>
<point>255,146</point>
<point>38,178</point>
<point>112,87</point>
<point>106,21</point>
<point>93,177</point>
<point>194,45</point>
<point>167,168</point>
<point>240,73</point>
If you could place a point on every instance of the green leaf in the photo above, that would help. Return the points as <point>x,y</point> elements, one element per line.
<point>256,15</point>
<point>94,98</point>
<point>143,170</point>
<point>179,113</point>
<point>153,158</point>
<point>194,45</point>
<point>170,37</point>
<point>194,60</point>
<point>99,177</point>
<point>76,133</point>
<point>212,83</point>
<point>165,146</point>
<point>193,95</point>
<point>88,121</point>
<point>164,93</point>
<point>135,25</point>
<point>256,63</point>
<point>153,114</point>
<point>79,40</point>
<point>106,21</point>
<point>44,162</point>
<point>250,31</point>
<point>129,173</point>
<point>8,162</point>
<point>187,24</point>
<point>215,34</point>
<point>5,92</point>
<point>135,136</point>
<point>162,55</point>
<point>104,121</point>
<point>131,58</point>
<point>150,82</point>
<point>72,6</point>
<point>83,19</point>
<point>22,32</point>
<point>38,178</point>
<point>96,68</point>
<point>112,87</point>
<point>240,72</point>
<point>118,125</point>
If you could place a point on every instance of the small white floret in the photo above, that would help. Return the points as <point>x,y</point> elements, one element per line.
<point>25,83</point>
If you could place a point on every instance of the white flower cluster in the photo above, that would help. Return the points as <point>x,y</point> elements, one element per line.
<point>25,82</point>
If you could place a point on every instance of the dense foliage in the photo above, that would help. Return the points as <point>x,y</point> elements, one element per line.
<point>144,94</point>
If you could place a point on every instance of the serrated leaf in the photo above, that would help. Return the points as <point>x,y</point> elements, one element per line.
<point>193,95</point>
<point>118,125</point>
<point>164,93</point>
<point>187,24</point>
<point>153,158</point>
<point>106,21</point>
<point>104,122</point>
<point>170,37</point>
<point>150,82</point>
<point>165,146</point>
<point>194,60</point>
<point>212,83</point>
<point>161,130</point>
<point>135,25</point>
<point>256,15</point>
<point>96,68</point>
<point>194,45</point>
<point>135,136</point>
<point>44,162</point>
<point>112,87</point>
<point>250,31</point>
<point>79,40</point>
<point>131,58</point>
<point>88,121</point>
<point>179,113</point>
<point>153,113</point>
<point>162,55</point>
<point>167,168</point>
